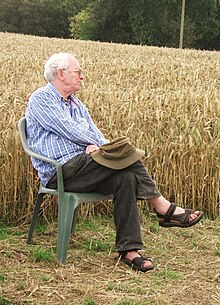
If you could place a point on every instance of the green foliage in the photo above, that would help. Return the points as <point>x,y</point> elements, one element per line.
<point>103,20</point>
<point>38,17</point>
<point>203,18</point>
<point>146,22</point>
<point>149,22</point>
<point>155,23</point>
<point>82,25</point>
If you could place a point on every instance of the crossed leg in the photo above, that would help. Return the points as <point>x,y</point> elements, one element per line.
<point>161,205</point>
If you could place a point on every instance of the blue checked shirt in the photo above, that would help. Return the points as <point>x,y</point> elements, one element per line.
<point>58,129</point>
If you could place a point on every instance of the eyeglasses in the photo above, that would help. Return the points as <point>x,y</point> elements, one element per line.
<point>80,71</point>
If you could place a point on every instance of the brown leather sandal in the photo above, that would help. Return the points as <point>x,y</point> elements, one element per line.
<point>181,220</point>
<point>137,263</point>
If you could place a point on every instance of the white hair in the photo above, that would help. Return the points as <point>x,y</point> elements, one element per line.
<point>56,62</point>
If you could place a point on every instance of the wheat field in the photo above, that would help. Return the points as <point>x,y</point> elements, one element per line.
<point>165,100</point>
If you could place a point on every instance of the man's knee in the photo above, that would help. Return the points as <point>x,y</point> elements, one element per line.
<point>128,179</point>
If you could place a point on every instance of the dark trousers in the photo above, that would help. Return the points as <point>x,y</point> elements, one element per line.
<point>83,174</point>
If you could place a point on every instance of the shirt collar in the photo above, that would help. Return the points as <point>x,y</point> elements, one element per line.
<point>54,90</point>
<point>71,98</point>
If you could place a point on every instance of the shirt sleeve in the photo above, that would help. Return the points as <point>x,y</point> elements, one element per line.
<point>50,114</point>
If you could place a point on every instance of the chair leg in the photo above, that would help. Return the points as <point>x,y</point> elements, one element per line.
<point>34,217</point>
<point>65,220</point>
<point>75,216</point>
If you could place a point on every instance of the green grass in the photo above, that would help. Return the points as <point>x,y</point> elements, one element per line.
<point>41,226</point>
<point>217,250</point>
<point>95,224</point>
<point>89,302</point>
<point>45,277</point>
<point>6,232</point>
<point>96,246</point>
<point>4,301</point>
<point>2,278</point>
<point>182,259</point>
<point>100,236</point>
<point>43,255</point>
<point>166,275</point>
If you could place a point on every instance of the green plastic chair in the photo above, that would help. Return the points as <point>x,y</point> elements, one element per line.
<point>67,202</point>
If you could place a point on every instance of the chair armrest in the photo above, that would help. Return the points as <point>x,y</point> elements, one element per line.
<point>58,166</point>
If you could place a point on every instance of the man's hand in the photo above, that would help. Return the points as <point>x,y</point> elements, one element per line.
<point>91,148</point>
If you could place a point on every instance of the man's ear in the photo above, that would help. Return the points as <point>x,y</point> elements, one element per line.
<point>61,74</point>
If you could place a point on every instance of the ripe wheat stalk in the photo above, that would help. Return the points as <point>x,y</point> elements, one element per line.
<point>165,100</point>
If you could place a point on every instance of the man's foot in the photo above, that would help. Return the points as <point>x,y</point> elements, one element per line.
<point>178,217</point>
<point>136,261</point>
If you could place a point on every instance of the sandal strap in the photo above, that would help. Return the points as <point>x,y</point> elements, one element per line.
<point>169,213</point>
<point>122,254</point>
<point>142,257</point>
<point>139,261</point>
<point>184,217</point>
<point>146,258</point>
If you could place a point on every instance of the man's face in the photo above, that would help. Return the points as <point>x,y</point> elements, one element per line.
<point>73,76</point>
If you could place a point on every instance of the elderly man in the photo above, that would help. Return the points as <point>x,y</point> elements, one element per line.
<point>60,127</point>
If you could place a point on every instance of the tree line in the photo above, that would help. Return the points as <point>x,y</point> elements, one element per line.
<point>144,22</point>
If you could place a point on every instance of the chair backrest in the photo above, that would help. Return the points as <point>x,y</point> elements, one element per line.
<point>29,152</point>
<point>22,133</point>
